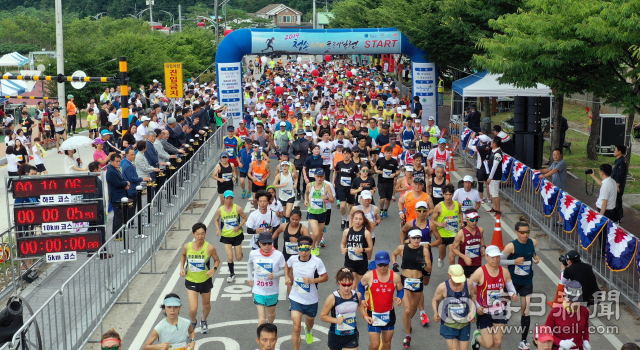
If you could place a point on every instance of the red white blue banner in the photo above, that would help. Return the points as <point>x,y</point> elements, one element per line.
<point>507,161</point>
<point>621,248</point>
<point>568,207</point>
<point>519,172</point>
<point>464,137</point>
<point>535,180</point>
<point>590,224</point>
<point>473,142</point>
<point>549,194</point>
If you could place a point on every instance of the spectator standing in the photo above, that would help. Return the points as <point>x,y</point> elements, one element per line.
<point>38,154</point>
<point>606,202</point>
<point>473,119</point>
<point>118,187</point>
<point>557,170</point>
<point>619,174</point>
<point>92,119</point>
<point>72,110</point>
<point>576,270</point>
<point>417,107</point>
<point>495,174</point>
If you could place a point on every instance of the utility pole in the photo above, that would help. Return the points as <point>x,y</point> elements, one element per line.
<point>215,6</point>
<point>151,11</point>
<point>60,55</point>
<point>314,14</point>
<point>180,16</point>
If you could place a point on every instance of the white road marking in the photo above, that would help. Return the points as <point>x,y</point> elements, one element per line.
<point>229,344</point>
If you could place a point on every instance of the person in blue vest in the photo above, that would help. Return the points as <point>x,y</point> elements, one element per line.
<point>520,256</point>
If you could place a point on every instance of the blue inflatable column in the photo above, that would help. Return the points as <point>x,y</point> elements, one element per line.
<point>424,76</point>
<point>229,56</point>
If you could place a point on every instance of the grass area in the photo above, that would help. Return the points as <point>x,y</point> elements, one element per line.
<point>577,161</point>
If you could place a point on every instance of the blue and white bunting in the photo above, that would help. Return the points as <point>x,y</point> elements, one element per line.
<point>519,172</point>
<point>568,207</point>
<point>464,138</point>
<point>535,180</point>
<point>621,248</point>
<point>549,194</point>
<point>507,161</point>
<point>590,224</point>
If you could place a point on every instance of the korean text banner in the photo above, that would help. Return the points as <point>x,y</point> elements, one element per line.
<point>230,89</point>
<point>173,80</point>
<point>287,42</point>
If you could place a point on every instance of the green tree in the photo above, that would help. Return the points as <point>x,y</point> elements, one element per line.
<point>571,46</point>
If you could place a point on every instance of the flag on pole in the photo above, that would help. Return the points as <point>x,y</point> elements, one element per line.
<point>464,138</point>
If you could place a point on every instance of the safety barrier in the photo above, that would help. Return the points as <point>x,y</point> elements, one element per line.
<point>530,203</point>
<point>69,317</point>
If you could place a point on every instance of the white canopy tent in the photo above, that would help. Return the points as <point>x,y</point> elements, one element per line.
<point>13,59</point>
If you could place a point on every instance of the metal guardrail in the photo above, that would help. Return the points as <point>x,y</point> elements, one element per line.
<point>529,202</point>
<point>68,318</point>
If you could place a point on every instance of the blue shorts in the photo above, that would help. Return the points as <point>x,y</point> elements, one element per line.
<point>320,218</point>
<point>463,334</point>
<point>265,300</point>
<point>309,310</point>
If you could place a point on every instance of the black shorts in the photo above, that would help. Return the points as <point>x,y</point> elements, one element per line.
<point>60,132</point>
<point>40,168</point>
<point>290,200</point>
<point>448,240</point>
<point>225,186</point>
<point>385,190</point>
<point>202,288</point>
<point>524,289</point>
<point>402,278</point>
<point>47,134</point>
<point>469,270</point>
<point>360,267</point>
<point>487,320</point>
<point>243,175</point>
<point>437,200</point>
<point>234,241</point>
<point>255,188</point>
<point>344,194</point>
<point>327,220</point>
<point>481,174</point>
<point>339,342</point>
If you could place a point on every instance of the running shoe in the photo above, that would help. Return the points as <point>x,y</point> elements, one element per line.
<point>393,198</point>
<point>440,263</point>
<point>315,251</point>
<point>474,340</point>
<point>248,194</point>
<point>204,329</point>
<point>231,278</point>
<point>406,343</point>
<point>244,194</point>
<point>523,345</point>
<point>342,225</point>
<point>338,202</point>
<point>309,335</point>
<point>424,319</point>
<point>322,244</point>
<point>492,211</point>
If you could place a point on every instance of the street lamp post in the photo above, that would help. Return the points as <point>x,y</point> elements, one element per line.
<point>172,21</point>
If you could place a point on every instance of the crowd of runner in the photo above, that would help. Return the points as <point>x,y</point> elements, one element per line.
<point>344,138</point>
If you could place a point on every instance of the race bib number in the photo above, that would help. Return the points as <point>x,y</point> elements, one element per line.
<point>243,138</point>
<point>230,223</point>
<point>24,128</point>
<point>472,251</point>
<point>386,173</point>
<point>380,319</point>
<point>291,248</point>
<point>458,312</point>
<point>437,192</point>
<point>47,127</point>
<point>412,284</point>
<point>494,297</point>
<point>263,268</point>
<point>524,269</point>
<point>345,181</point>
<point>287,192</point>
<point>20,158</point>
<point>227,177</point>
<point>178,346</point>
<point>312,172</point>
<point>349,323</point>
<point>258,176</point>
<point>317,203</point>
<point>231,151</point>
<point>300,287</point>
<point>351,251</point>
<point>452,225</point>
<point>196,265</point>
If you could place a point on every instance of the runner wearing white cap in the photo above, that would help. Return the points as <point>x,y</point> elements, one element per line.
<point>371,212</point>
<point>468,244</point>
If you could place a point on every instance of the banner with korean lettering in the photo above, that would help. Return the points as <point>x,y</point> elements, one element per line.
<point>322,43</point>
<point>424,86</point>
<point>173,79</point>
<point>230,89</point>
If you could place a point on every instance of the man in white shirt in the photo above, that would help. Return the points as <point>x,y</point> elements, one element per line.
<point>606,202</point>
<point>143,129</point>
<point>469,198</point>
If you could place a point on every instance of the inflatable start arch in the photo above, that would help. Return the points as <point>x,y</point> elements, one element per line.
<point>319,42</point>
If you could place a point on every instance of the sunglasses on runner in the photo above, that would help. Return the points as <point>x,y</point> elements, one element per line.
<point>528,232</point>
<point>421,210</point>
<point>304,248</point>
<point>346,284</point>
<point>112,348</point>
<point>473,220</point>
<point>415,237</point>
<point>364,171</point>
<point>382,265</point>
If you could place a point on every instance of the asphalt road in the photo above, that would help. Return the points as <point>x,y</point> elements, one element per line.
<point>233,318</point>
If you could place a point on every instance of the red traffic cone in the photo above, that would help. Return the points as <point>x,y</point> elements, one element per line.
<point>452,167</point>
<point>497,234</point>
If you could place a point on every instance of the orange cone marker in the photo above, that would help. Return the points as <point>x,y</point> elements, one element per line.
<point>497,234</point>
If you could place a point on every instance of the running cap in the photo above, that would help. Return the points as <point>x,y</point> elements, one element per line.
<point>457,273</point>
<point>228,193</point>
<point>300,131</point>
<point>543,333</point>
<point>230,128</point>
<point>492,251</point>
<point>422,204</point>
<point>442,140</point>
<point>382,257</point>
<point>224,155</point>
<point>285,162</point>
<point>408,168</point>
<point>265,237</point>
<point>172,301</point>
<point>416,232</point>
<point>573,291</point>
<point>365,195</point>
<point>431,117</point>
<point>471,214</point>
<point>307,123</point>
<point>467,178</point>
<point>283,124</point>
<point>319,172</point>
<point>425,133</point>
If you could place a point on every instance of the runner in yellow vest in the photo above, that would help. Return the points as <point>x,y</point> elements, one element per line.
<point>198,274</point>
<point>231,217</point>
<point>447,216</point>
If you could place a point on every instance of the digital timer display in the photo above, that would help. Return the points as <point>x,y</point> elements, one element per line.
<point>40,214</point>
<point>41,245</point>
<point>37,186</point>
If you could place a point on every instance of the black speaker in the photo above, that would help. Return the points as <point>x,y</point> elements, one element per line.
<point>520,101</point>
<point>529,149</point>
<point>519,123</point>
<point>533,109</point>
<point>533,101</point>
<point>545,107</point>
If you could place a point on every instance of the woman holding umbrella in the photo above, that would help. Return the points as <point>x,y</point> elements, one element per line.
<point>72,164</point>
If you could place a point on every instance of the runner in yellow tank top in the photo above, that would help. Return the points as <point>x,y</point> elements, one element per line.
<point>229,219</point>
<point>447,216</point>
<point>198,274</point>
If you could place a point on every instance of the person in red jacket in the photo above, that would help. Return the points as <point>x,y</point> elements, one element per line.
<point>569,321</point>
